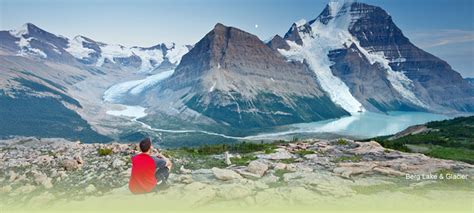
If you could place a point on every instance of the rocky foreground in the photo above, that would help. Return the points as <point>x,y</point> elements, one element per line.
<point>46,171</point>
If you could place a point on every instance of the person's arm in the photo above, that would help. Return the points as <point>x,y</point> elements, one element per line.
<point>168,161</point>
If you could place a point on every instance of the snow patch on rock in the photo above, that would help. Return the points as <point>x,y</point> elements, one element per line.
<point>76,48</point>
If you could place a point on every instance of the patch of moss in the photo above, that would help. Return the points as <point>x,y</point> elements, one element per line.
<point>243,161</point>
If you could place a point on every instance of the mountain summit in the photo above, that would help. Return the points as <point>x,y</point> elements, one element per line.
<point>362,58</point>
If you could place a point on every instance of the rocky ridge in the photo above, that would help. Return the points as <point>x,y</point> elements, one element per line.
<point>44,171</point>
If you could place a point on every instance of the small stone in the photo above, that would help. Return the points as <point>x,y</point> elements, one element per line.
<point>62,174</point>
<point>13,175</point>
<point>279,166</point>
<point>291,167</point>
<point>227,158</point>
<point>117,163</point>
<point>184,171</point>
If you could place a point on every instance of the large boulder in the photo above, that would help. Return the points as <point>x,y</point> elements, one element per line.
<point>71,165</point>
<point>365,148</point>
<point>257,167</point>
<point>225,174</point>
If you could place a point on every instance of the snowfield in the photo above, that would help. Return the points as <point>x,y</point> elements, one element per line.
<point>76,49</point>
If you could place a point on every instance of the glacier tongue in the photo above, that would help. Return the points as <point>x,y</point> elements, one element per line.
<point>116,93</point>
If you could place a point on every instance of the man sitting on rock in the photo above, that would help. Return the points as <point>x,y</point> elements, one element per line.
<point>148,172</point>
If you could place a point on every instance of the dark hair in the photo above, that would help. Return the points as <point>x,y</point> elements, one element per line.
<point>145,144</point>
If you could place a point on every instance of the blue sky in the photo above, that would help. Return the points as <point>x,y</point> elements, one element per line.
<point>442,27</point>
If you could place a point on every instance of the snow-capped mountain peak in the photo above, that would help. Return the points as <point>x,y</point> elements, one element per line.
<point>332,31</point>
<point>22,30</point>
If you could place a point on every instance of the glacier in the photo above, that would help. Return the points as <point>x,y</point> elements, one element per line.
<point>119,91</point>
<point>314,51</point>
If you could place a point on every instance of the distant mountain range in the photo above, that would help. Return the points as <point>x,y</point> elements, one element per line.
<point>31,41</point>
<point>52,86</point>
<point>350,59</point>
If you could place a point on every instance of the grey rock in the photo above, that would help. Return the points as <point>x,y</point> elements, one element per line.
<point>257,167</point>
<point>225,174</point>
<point>70,165</point>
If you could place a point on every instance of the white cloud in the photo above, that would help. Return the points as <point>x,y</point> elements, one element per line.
<point>436,38</point>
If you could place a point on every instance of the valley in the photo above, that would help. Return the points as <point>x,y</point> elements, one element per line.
<point>324,78</point>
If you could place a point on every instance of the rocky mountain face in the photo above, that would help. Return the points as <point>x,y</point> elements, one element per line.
<point>382,70</point>
<point>52,86</point>
<point>232,77</point>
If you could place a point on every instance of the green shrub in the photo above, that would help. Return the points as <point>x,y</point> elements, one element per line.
<point>242,148</point>
<point>243,161</point>
<point>342,142</point>
<point>104,151</point>
<point>304,152</point>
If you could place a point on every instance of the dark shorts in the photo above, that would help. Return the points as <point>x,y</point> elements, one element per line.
<point>160,163</point>
<point>162,172</point>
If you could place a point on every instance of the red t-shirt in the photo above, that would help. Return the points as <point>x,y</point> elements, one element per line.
<point>143,174</point>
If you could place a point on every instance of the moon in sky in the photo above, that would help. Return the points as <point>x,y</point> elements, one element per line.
<point>256,26</point>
